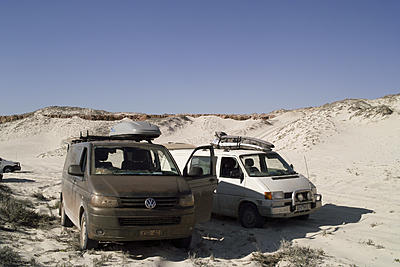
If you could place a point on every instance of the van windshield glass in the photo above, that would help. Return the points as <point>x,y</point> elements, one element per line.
<point>270,164</point>
<point>132,160</point>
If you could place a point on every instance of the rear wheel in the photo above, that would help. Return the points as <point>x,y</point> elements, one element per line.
<point>64,219</point>
<point>182,242</point>
<point>249,216</point>
<point>7,169</point>
<point>84,241</point>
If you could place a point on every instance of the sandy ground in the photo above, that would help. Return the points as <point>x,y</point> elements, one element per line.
<point>352,150</point>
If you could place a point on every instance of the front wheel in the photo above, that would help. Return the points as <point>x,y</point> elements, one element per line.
<point>182,242</point>
<point>84,241</point>
<point>249,216</point>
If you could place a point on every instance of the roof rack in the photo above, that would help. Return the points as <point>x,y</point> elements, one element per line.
<point>90,138</point>
<point>225,141</point>
<point>125,130</point>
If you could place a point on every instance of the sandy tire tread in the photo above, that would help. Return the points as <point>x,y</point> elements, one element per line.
<point>249,216</point>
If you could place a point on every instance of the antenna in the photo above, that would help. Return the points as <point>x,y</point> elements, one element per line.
<point>305,161</point>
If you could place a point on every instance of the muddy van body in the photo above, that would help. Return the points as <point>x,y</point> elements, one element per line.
<point>117,188</point>
<point>255,182</point>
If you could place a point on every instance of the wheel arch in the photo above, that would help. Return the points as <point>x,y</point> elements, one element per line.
<point>81,212</point>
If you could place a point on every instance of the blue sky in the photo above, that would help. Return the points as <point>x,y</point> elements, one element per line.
<point>196,56</point>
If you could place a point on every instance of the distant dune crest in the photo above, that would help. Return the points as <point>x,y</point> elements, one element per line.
<point>287,129</point>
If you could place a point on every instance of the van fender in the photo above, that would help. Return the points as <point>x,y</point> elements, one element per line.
<point>82,208</point>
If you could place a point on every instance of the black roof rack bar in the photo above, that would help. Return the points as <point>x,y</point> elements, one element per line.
<point>89,138</point>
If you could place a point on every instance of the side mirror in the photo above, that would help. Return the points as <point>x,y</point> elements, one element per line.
<point>75,170</point>
<point>291,166</point>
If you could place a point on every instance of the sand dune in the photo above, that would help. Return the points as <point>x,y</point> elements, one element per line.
<point>352,149</point>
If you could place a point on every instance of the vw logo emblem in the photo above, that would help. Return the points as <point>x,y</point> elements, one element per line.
<point>150,203</point>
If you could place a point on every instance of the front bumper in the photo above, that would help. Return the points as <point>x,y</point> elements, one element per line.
<point>121,224</point>
<point>287,209</point>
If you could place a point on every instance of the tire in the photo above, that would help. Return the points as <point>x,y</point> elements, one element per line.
<point>64,219</point>
<point>8,169</point>
<point>85,242</point>
<point>1,176</point>
<point>182,242</point>
<point>304,217</point>
<point>249,216</point>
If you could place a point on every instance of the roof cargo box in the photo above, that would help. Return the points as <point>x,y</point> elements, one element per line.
<point>141,129</point>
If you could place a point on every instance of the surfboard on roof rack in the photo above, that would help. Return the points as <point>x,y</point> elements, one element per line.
<point>225,141</point>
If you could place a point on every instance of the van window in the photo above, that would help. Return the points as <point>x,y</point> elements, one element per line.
<point>266,164</point>
<point>131,160</point>
<point>83,160</point>
<point>229,168</point>
<point>203,162</point>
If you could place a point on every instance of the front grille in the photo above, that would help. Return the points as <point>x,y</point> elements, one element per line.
<point>288,195</point>
<point>138,202</point>
<point>143,221</point>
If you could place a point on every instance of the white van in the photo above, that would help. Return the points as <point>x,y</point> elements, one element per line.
<point>254,182</point>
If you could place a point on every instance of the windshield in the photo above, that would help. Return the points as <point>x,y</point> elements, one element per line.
<point>130,160</point>
<point>270,164</point>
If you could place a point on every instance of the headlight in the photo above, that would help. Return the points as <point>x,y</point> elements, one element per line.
<point>186,201</point>
<point>274,195</point>
<point>104,202</point>
<point>300,197</point>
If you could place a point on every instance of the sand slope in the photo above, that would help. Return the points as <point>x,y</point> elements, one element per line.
<point>352,149</point>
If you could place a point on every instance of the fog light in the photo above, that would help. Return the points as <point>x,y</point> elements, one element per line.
<point>99,232</point>
<point>300,197</point>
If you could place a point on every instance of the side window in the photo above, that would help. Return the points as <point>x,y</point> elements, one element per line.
<point>229,168</point>
<point>252,164</point>
<point>202,163</point>
<point>83,160</point>
<point>165,164</point>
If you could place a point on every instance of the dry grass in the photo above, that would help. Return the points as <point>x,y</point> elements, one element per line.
<point>293,255</point>
<point>19,213</point>
<point>9,257</point>
<point>370,242</point>
<point>40,196</point>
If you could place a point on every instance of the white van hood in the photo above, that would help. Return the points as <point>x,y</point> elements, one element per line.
<point>286,184</point>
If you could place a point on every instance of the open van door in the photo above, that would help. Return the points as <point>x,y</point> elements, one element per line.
<point>200,173</point>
